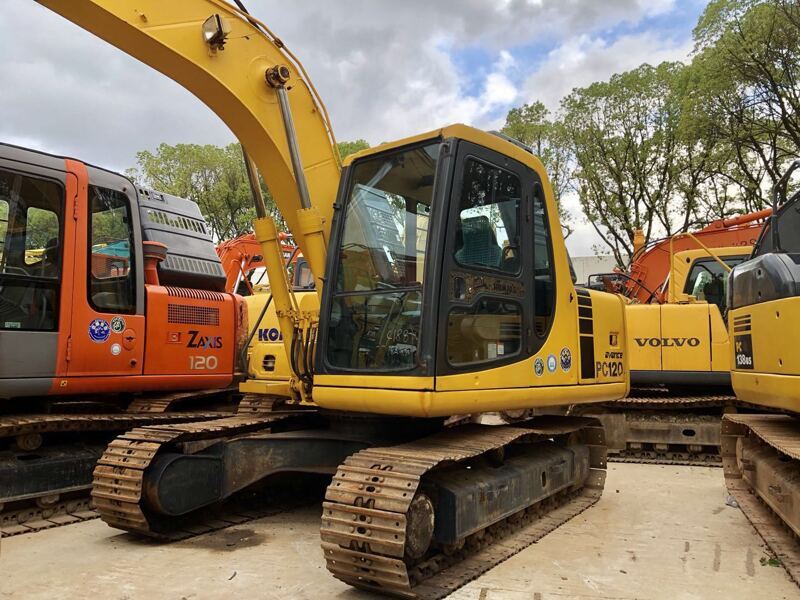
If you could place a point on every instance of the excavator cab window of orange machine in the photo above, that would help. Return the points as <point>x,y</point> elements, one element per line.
<point>31,212</point>
<point>112,277</point>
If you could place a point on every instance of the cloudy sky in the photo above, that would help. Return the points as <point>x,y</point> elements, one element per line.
<point>385,69</point>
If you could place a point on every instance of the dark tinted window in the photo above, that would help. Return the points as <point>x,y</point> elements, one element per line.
<point>544,285</point>
<point>111,274</point>
<point>487,233</point>
<point>490,329</point>
<point>788,230</point>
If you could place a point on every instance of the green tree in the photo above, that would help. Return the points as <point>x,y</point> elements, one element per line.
<point>211,176</point>
<point>215,178</point>
<point>351,147</point>
<point>623,135</point>
<point>746,68</point>
<point>532,125</point>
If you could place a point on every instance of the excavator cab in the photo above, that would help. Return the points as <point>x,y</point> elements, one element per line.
<point>764,301</point>
<point>77,314</point>
<point>443,276</point>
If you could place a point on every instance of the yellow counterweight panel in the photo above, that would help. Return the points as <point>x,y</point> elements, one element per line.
<point>612,351</point>
<point>644,325</point>
<point>685,333</point>
<point>268,367</point>
<point>267,359</point>
<point>767,342</point>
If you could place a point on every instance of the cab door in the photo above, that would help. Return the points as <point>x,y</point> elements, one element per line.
<point>108,323</point>
<point>34,233</point>
<point>486,303</point>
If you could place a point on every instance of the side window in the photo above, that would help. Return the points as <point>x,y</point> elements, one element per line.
<point>487,234</point>
<point>544,286</point>
<point>709,281</point>
<point>485,323</point>
<point>30,252</point>
<point>112,285</point>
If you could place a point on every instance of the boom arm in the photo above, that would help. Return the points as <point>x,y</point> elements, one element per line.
<point>228,74</point>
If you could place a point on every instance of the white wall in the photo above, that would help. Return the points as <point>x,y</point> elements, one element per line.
<point>589,265</point>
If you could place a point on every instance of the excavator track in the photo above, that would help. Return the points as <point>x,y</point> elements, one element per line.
<point>761,462</point>
<point>117,488</point>
<point>22,425</point>
<point>653,426</point>
<point>371,501</point>
<point>73,503</point>
<point>75,508</point>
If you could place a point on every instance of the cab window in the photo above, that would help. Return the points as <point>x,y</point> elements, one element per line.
<point>487,234</point>
<point>30,252</point>
<point>112,286</point>
<point>709,281</point>
<point>544,285</point>
<point>486,255</point>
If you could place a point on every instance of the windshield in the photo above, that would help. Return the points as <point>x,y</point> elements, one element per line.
<point>377,300</point>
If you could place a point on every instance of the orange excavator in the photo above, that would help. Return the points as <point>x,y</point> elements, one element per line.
<point>243,263</point>
<point>645,279</point>
<point>113,310</point>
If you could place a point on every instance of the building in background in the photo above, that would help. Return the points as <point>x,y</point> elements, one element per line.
<point>590,265</point>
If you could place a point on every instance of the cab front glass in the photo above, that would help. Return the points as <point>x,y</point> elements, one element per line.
<point>380,262</point>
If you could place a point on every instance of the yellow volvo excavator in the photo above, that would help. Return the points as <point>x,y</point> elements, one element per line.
<point>680,367</point>
<point>761,452</point>
<point>442,289</point>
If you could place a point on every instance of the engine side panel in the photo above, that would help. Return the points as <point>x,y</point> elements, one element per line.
<point>190,332</point>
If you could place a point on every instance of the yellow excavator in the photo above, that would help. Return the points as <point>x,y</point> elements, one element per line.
<point>443,289</point>
<point>680,367</point>
<point>761,451</point>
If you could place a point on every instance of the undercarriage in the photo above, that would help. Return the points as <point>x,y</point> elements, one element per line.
<point>415,507</point>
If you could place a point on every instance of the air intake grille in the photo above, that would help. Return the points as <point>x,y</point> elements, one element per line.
<point>177,221</point>
<point>208,295</point>
<point>192,315</point>
<point>192,265</point>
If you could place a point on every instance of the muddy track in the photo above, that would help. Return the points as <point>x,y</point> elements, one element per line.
<point>371,499</point>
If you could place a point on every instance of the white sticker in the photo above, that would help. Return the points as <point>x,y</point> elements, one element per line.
<point>116,349</point>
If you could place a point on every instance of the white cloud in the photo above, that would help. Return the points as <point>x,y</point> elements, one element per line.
<point>385,70</point>
<point>583,60</point>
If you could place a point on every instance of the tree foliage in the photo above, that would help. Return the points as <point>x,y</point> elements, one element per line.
<point>215,178</point>
<point>623,136</point>
<point>211,176</point>
<point>532,125</point>
<point>747,64</point>
<point>351,147</point>
<point>669,148</point>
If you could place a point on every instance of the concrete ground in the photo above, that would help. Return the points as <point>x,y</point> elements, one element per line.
<point>658,532</point>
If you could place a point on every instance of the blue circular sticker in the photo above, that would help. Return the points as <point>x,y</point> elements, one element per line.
<point>552,363</point>
<point>538,367</point>
<point>566,359</point>
<point>99,330</point>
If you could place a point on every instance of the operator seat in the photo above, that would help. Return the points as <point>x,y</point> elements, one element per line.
<point>479,247</point>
